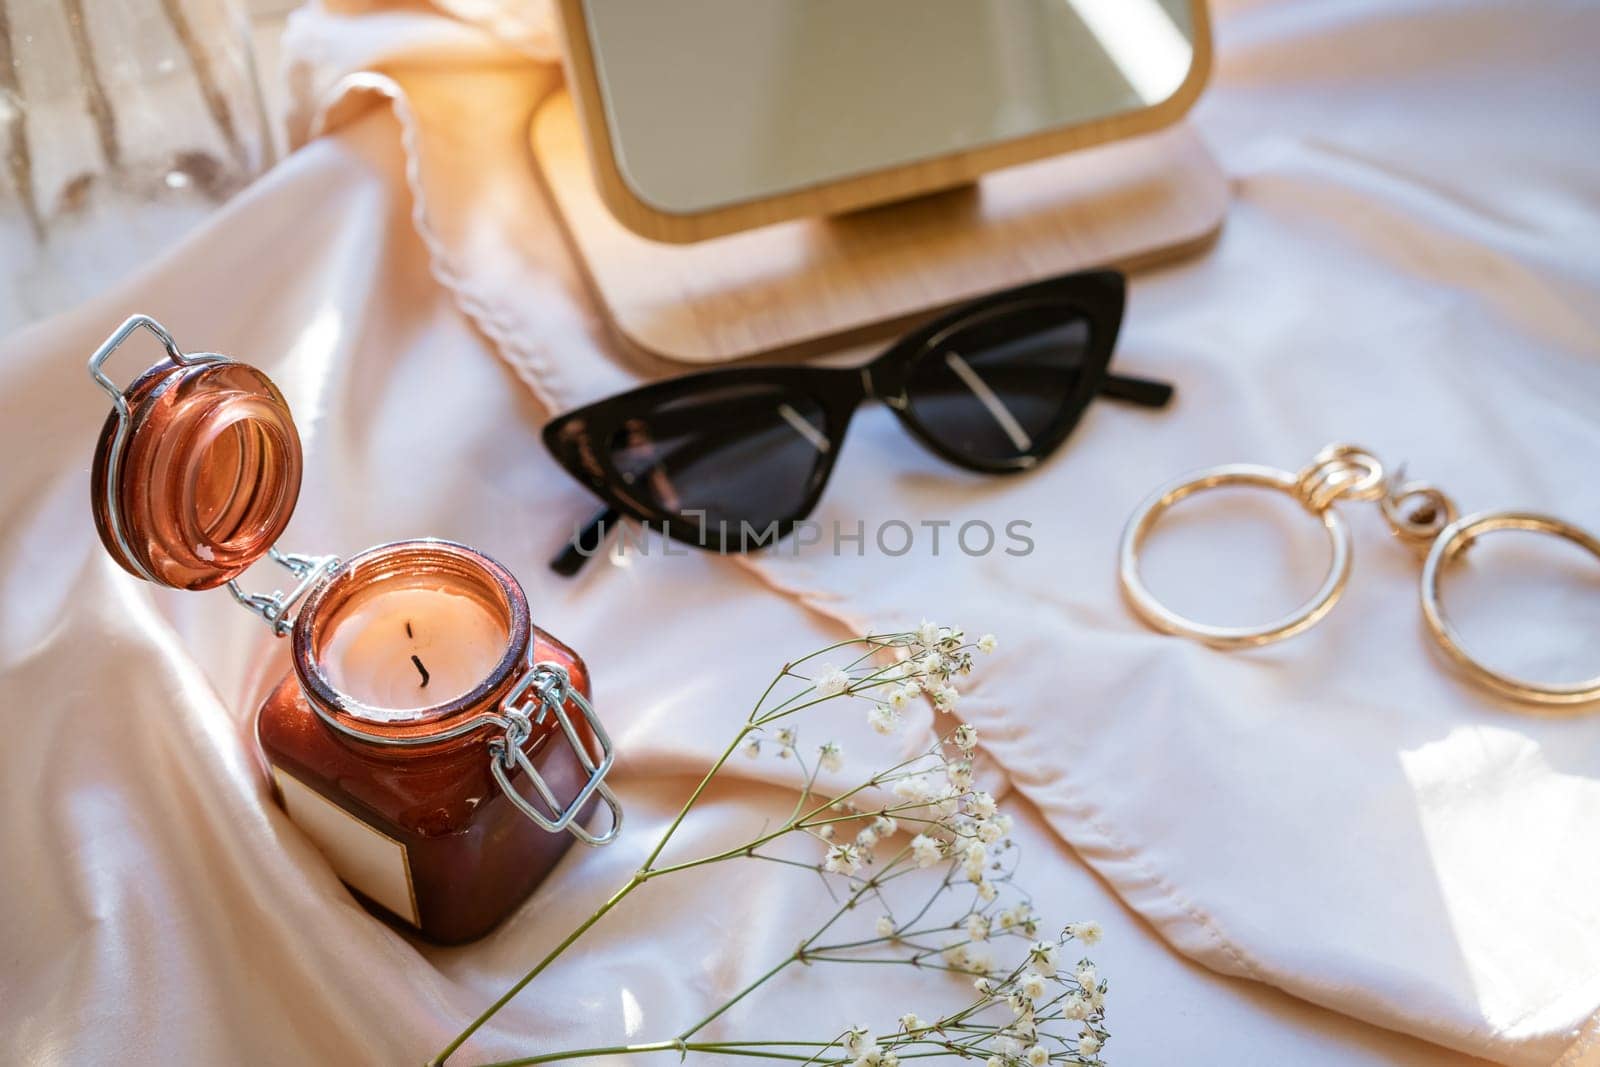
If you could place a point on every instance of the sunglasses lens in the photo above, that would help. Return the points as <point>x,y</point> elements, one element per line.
<point>729,455</point>
<point>995,386</point>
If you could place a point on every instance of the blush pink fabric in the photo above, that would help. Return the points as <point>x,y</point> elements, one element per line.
<point>1406,264</point>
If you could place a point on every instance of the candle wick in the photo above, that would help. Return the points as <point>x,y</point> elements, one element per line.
<point>408,629</point>
<point>421,670</point>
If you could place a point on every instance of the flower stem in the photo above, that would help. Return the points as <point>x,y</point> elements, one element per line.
<point>639,878</point>
<point>746,991</point>
<point>800,818</point>
<point>679,1047</point>
<point>616,898</point>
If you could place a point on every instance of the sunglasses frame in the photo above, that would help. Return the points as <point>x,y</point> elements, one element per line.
<point>578,439</point>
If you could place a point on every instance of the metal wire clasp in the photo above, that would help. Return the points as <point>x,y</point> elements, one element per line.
<point>278,607</point>
<point>546,690</point>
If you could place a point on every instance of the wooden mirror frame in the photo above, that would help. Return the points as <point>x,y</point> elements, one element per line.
<point>857,191</point>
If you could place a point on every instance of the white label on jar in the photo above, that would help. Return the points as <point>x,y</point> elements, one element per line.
<point>365,859</point>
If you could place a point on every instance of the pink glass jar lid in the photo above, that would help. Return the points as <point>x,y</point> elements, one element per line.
<point>197,470</point>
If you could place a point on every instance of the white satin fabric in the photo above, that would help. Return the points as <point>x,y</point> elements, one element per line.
<point>1407,264</point>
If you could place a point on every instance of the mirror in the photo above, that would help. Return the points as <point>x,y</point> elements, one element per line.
<point>729,114</point>
<point>708,159</point>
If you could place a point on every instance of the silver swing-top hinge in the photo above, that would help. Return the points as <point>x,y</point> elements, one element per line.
<point>277,608</point>
<point>545,691</point>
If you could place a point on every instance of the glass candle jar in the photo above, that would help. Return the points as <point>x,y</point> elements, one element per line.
<point>438,747</point>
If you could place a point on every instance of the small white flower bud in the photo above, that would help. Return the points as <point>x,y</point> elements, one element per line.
<point>832,681</point>
<point>1089,933</point>
<point>1042,957</point>
<point>925,850</point>
<point>981,805</point>
<point>858,1041</point>
<point>830,756</point>
<point>843,859</point>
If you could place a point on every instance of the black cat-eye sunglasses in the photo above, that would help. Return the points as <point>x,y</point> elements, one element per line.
<point>732,459</point>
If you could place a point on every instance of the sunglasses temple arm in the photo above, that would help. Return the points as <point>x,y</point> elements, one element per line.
<point>585,543</point>
<point>1146,392</point>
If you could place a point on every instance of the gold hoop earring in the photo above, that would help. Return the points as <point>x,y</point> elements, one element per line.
<point>1419,514</point>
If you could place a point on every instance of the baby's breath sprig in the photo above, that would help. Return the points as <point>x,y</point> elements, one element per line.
<point>919,862</point>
